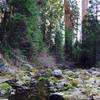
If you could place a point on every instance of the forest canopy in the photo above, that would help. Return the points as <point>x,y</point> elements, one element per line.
<point>52,26</point>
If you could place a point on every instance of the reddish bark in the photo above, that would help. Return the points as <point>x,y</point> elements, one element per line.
<point>68,16</point>
<point>84,7</point>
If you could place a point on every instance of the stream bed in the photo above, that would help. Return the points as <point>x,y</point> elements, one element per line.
<point>57,84</point>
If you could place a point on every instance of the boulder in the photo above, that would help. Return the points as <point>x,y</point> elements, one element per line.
<point>57,73</point>
<point>56,96</point>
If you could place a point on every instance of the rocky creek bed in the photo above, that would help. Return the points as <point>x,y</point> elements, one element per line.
<point>51,84</point>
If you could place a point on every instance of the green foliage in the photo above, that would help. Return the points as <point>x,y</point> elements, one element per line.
<point>34,25</point>
<point>69,36</point>
<point>6,51</point>
<point>76,50</point>
<point>51,14</point>
<point>90,32</point>
<point>59,44</point>
<point>71,31</point>
<point>33,32</point>
<point>28,12</point>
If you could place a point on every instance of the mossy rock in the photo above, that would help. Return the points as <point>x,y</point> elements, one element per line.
<point>41,78</point>
<point>48,73</point>
<point>33,71</point>
<point>53,79</point>
<point>74,82</point>
<point>67,96</point>
<point>68,86</point>
<point>20,74</point>
<point>5,87</point>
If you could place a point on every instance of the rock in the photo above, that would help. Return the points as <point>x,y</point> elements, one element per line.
<point>3,79</point>
<point>1,65</point>
<point>96,73</point>
<point>12,70</point>
<point>26,78</point>
<point>75,94</point>
<point>91,97</point>
<point>4,99</point>
<point>53,89</point>
<point>96,97</point>
<point>19,83</point>
<point>84,75</point>
<point>51,83</point>
<point>58,86</point>
<point>62,84</point>
<point>3,68</point>
<point>93,69</point>
<point>4,89</point>
<point>62,66</point>
<point>12,91</point>
<point>28,65</point>
<point>56,96</point>
<point>40,73</point>
<point>91,81</point>
<point>69,73</point>
<point>2,93</point>
<point>57,73</point>
<point>98,82</point>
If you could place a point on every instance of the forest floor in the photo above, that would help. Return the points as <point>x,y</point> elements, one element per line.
<point>76,84</point>
<point>40,82</point>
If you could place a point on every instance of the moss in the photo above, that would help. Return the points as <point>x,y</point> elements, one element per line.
<point>5,87</point>
<point>53,79</point>
<point>68,78</point>
<point>67,96</point>
<point>48,73</point>
<point>42,78</point>
<point>74,82</point>
<point>97,78</point>
<point>33,71</point>
<point>20,73</point>
<point>68,86</point>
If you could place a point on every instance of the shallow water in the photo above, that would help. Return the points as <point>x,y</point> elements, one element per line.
<point>39,92</point>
